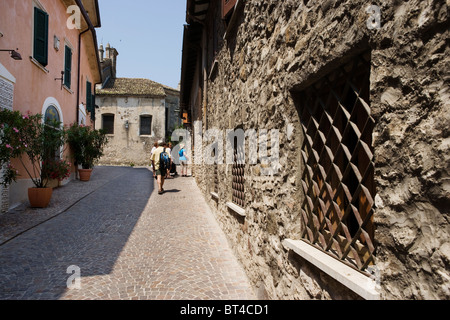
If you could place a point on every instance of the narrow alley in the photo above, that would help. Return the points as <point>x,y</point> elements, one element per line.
<point>124,240</point>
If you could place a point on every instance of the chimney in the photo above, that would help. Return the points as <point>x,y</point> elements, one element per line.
<point>108,47</point>
<point>101,52</point>
<point>114,55</point>
<point>111,55</point>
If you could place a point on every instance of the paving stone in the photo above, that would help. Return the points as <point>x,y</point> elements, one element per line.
<point>128,242</point>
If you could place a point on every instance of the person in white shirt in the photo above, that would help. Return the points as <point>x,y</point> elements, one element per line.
<point>155,146</point>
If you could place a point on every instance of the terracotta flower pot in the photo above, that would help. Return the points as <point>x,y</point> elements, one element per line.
<point>40,197</point>
<point>85,174</point>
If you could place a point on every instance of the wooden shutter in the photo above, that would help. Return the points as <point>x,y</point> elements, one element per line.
<point>92,107</point>
<point>90,100</point>
<point>88,96</point>
<point>227,7</point>
<point>68,67</point>
<point>40,36</point>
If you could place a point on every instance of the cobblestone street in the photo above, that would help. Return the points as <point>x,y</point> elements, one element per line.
<point>127,241</point>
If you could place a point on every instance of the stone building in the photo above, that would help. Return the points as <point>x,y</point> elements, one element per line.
<point>351,102</point>
<point>136,113</point>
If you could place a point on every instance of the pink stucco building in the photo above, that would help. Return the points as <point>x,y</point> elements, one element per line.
<point>51,37</point>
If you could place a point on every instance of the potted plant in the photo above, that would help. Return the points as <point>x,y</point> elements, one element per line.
<point>40,141</point>
<point>56,169</point>
<point>10,145</point>
<point>87,146</point>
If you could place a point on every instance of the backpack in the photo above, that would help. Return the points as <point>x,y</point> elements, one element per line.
<point>164,161</point>
<point>181,153</point>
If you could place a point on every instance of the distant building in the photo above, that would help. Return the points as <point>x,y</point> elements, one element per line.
<point>136,113</point>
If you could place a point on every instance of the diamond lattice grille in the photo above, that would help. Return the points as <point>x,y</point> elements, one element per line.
<point>238,185</point>
<point>338,178</point>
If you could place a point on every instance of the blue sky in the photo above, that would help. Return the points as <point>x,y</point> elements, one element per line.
<point>148,34</point>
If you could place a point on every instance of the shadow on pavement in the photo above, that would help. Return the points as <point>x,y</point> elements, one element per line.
<point>90,235</point>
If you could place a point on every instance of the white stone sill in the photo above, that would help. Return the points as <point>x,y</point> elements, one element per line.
<point>214,195</point>
<point>40,66</point>
<point>240,211</point>
<point>352,279</point>
<point>67,89</point>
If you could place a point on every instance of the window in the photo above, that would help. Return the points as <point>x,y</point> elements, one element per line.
<point>53,120</point>
<point>338,161</point>
<point>238,185</point>
<point>146,126</point>
<point>40,40</point>
<point>108,123</point>
<point>52,115</point>
<point>67,67</point>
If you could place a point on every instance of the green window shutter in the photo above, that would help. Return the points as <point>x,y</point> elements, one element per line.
<point>93,107</point>
<point>89,96</point>
<point>68,67</point>
<point>40,36</point>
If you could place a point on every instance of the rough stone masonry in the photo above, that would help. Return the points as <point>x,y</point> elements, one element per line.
<point>279,47</point>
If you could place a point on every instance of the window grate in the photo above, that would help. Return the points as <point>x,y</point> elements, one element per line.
<point>216,176</point>
<point>338,180</point>
<point>238,172</point>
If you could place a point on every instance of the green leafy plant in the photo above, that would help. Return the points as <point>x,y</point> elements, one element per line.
<point>87,144</point>
<point>29,135</point>
<point>10,144</point>
<point>56,169</point>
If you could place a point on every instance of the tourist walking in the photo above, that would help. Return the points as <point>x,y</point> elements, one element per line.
<point>160,169</point>
<point>183,161</point>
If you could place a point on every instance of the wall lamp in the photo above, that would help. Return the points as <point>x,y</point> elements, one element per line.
<point>61,79</point>
<point>14,54</point>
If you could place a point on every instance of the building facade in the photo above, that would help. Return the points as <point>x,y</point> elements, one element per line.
<point>340,189</point>
<point>51,37</point>
<point>135,113</point>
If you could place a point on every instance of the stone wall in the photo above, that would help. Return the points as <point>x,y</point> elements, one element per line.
<point>6,102</point>
<point>278,47</point>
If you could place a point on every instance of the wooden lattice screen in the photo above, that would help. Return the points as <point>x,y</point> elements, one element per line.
<point>238,175</point>
<point>338,178</point>
<point>216,178</point>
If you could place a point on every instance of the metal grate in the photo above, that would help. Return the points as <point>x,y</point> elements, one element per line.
<point>216,178</point>
<point>338,178</point>
<point>238,175</point>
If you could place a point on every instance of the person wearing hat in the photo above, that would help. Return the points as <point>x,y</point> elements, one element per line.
<point>156,156</point>
<point>183,161</point>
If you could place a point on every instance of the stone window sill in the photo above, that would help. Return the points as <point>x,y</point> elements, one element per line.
<point>214,195</point>
<point>213,68</point>
<point>67,89</point>
<point>40,66</point>
<point>240,211</point>
<point>362,285</point>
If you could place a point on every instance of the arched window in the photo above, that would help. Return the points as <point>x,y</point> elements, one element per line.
<point>52,115</point>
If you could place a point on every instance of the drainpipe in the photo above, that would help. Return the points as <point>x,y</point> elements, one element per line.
<point>79,75</point>
<point>94,35</point>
